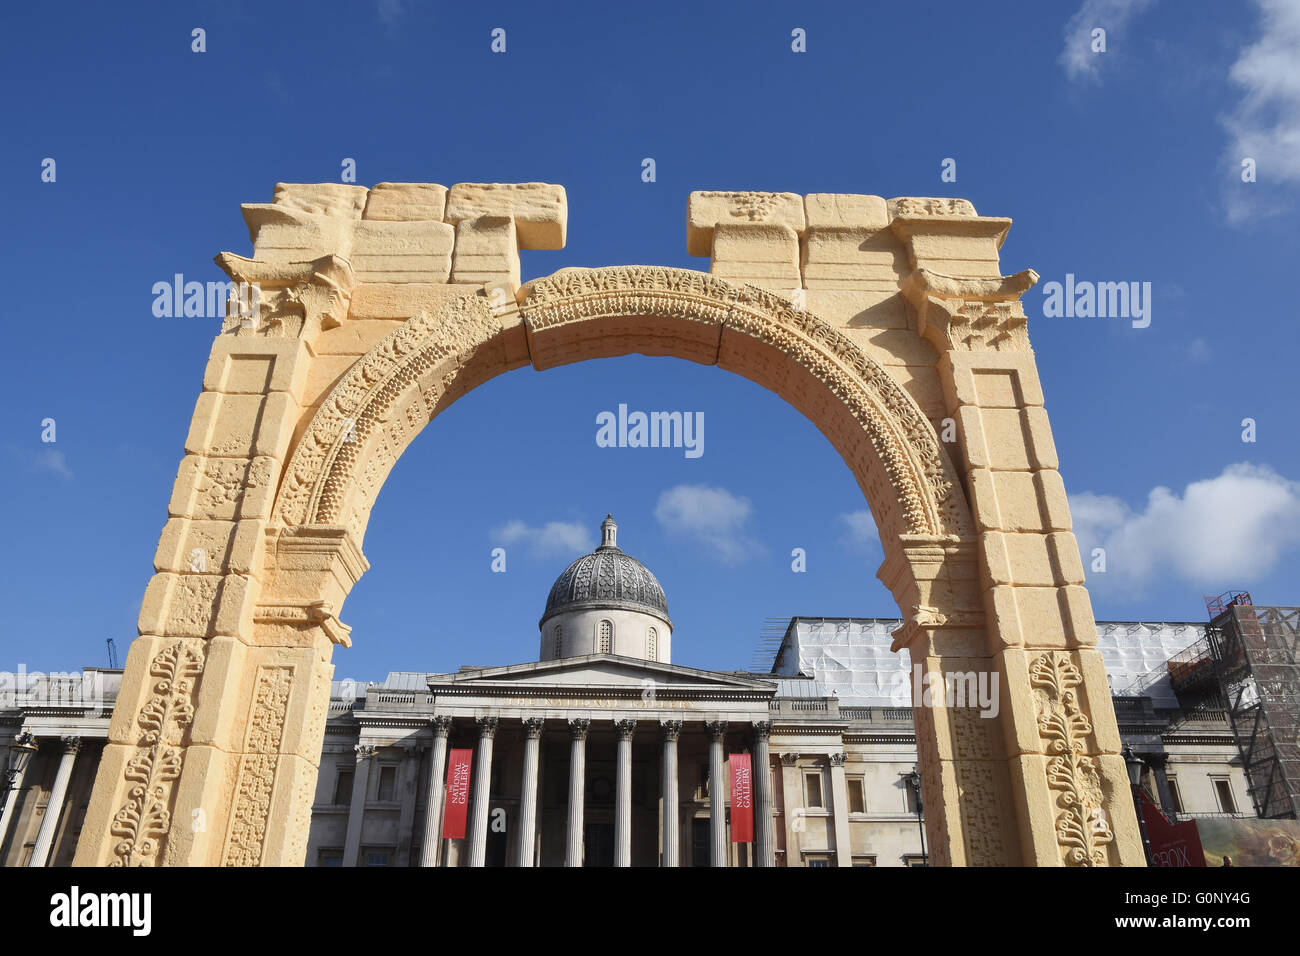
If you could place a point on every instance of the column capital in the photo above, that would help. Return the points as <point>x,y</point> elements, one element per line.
<point>837,760</point>
<point>672,729</point>
<point>487,726</point>
<point>578,727</point>
<point>441,724</point>
<point>365,751</point>
<point>762,729</point>
<point>533,727</point>
<point>71,744</point>
<point>717,729</point>
<point>788,758</point>
<point>624,728</point>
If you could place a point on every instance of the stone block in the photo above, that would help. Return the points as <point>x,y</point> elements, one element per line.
<point>224,488</point>
<point>406,202</point>
<point>705,210</point>
<point>332,200</point>
<point>389,251</point>
<point>217,547</point>
<point>866,259</point>
<point>859,309</point>
<point>388,300</point>
<point>758,254</point>
<point>540,211</point>
<point>486,251</point>
<point>253,366</point>
<point>845,211</point>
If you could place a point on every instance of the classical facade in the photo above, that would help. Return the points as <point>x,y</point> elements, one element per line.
<point>605,752</point>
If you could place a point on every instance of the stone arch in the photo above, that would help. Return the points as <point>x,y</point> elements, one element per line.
<point>388,396</point>
<point>226,691</point>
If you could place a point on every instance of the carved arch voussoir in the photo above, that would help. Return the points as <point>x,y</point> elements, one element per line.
<point>347,436</point>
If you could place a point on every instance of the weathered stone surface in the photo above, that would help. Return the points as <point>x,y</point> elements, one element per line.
<point>540,211</point>
<point>406,202</point>
<point>706,209</point>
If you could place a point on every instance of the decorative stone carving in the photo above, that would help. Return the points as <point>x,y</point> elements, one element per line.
<point>717,729</point>
<point>1082,828</point>
<point>533,727</point>
<point>441,725</point>
<point>837,760</point>
<point>924,206</point>
<point>672,729</point>
<point>365,751</point>
<point>144,820</point>
<point>624,729</point>
<point>256,778</point>
<point>789,759</point>
<point>71,745</point>
<point>295,299</point>
<point>487,726</point>
<point>578,728</point>
<point>762,729</point>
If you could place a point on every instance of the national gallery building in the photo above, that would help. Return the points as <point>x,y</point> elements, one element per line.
<point>603,752</point>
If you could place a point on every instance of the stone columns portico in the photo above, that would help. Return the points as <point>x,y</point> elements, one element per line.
<point>429,849</point>
<point>54,808</point>
<point>357,808</point>
<point>577,790</point>
<point>623,794</point>
<point>717,794</point>
<point>528,791</point>
<point>671,810</point>
<point>764,852</point>
<point>478,814</point>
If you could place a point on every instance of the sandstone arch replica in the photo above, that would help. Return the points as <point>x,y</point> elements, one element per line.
<point>380,307</point>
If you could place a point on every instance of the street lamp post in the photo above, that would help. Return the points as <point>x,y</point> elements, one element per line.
<point>20,752</point>
<point>914,781</point>
<point>1135,766</point>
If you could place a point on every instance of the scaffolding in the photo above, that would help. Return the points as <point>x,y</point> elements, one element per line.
<point>1254,652</point>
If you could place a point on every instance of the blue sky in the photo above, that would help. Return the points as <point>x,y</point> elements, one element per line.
<point>1116,166</point>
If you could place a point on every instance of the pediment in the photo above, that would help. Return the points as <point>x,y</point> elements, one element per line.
<point>602,670</point>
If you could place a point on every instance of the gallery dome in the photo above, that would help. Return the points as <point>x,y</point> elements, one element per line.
<point>607,578</point>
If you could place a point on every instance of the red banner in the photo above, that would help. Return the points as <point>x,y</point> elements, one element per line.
<point>1172,844</point>
<point>742,799</point>
<point>456,805</point>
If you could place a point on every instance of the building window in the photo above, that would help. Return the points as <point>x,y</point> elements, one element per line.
<point>605,640</point>
<point>913,859</point>
<point>652,644</point>
<point>818,861</point>
<point>1223,790</point>
<point>343,789</point>
<point>812,788</point>
<point>1175,797</point>
<point>559,641</point>
<point>857,795</point>
<point>377,856</point>
<point>864,861</point>
<point>332,857</point>
<point>387,783</point>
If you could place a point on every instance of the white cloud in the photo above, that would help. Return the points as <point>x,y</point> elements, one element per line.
<point>43,459</point>
<point>1266,124</point>
<point>713,518</point>
<point>860,529</point>
<point>1220,532</point>
<point>1078,58</point>
<point>555,539</point>
<point>390,11</point>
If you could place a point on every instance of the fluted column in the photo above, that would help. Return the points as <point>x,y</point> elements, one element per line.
<point>357,808</point>
<point>717,794</point>
<point>432,845</point>
<point>528,791</point>
<point>623,794</point>
<point>54,808</point>
<point>764,851</point>
<point>478,811</point>
<point>577,790</point>
<point>671,810</point>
